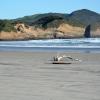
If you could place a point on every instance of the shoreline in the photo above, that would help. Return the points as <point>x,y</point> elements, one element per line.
<point>28,39</point>
<point>72,45</point>
<point>49,49</point>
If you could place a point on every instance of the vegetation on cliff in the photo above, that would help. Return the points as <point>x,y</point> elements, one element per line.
<point>79,18</point>
<point>48,24</point>
<point>7,26</point>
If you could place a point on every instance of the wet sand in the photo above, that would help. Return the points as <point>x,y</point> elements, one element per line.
<point>30,76</point>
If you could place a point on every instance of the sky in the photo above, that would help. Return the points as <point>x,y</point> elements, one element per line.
<point>11,9</point>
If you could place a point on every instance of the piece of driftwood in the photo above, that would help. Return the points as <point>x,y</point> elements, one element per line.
<point>60,62</point>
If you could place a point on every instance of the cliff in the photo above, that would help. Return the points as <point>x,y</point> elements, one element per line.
<point>51,25</point>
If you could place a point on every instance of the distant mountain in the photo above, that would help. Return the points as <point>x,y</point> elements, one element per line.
<point>85,17</point>
<point>51,25</point>
<point>80,18</point>
<point>41,19</point>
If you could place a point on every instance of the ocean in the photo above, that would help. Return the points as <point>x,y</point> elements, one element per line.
<point>80,44</point>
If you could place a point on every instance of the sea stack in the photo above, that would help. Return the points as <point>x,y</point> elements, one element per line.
<point>87,33</point>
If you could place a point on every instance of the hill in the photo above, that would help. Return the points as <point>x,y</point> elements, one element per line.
<point>80,18</point>
<point>85,17</point>
<point>51,25</point>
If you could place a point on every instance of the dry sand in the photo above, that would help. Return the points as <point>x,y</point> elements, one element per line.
<point>30,76</point>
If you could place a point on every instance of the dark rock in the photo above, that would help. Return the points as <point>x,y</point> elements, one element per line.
<point>87,33</point>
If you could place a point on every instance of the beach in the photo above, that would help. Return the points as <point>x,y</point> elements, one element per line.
<point>30,75</point>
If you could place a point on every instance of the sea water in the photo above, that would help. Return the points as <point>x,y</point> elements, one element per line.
<point>80,44</point>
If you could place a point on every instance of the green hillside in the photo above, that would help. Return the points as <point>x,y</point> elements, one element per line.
<point>6,25</point>
<point>80,18</point>
<point>85,17</point>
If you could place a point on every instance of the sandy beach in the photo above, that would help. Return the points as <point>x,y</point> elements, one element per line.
<point>31,76</point>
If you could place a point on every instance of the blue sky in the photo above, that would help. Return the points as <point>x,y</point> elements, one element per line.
<point>10,9</point>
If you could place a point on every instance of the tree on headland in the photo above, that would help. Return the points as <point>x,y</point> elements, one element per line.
<point>6,25</point>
